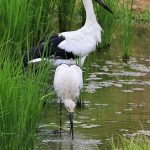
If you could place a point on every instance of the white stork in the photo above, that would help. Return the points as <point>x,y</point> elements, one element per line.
<point>68,47</point>
<point>68,83</point>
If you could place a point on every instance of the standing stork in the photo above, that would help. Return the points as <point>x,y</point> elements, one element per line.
<point>68,83</point>
<point>67,47</point>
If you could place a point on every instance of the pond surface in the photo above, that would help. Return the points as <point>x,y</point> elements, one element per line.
<point>116,99</point>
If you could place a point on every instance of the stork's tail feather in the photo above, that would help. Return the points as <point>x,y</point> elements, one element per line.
<point>43,49</point>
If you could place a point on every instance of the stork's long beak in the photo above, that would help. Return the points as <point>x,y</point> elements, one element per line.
<point>101,2</point>
<point>71,114</point>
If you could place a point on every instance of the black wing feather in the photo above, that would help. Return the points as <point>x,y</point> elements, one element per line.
<point>51,51</point>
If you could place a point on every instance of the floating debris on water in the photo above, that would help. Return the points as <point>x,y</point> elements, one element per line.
<point>118,113</point>
<point>140,132</point>
<point>103,73</point>
<point>111,63</point>
<point>97,104</point>
<point>112,121</point>
<point>135,105</point>
<point>82,117</point>
<point>109,139</point>
<point>46,125</point>
<point>147,60</point>
<point>75,142</point>
<point>86,102</point>
<point>93,75</point>
<point>88,126</point>
<point>129,109</point>
<point>130,135</point>
<point>95,65</point>
<point>143,132</point>
<point>117,85</point>
<point>148,121</point>
<point>127,91</point>
<point>130,103</point>
<point>75,122</point>
<point>93,119</point>
<point>124,130</point>
<point>138,89</point>
<point>102,105</point>
<point>93,79</point>
<point>140,67</point>
<point>132,74</point>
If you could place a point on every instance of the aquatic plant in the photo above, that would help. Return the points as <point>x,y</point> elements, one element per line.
<point>143,17</point>
<point>25,22</point>
<point>65,14</point>
<point>126,20</point>
<point>20,103</point>
<point>108,22</point>
<point>136,143</point>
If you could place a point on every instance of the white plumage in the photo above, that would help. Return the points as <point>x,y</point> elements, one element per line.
<point>68,82</point>
<point>80,42</point>
<point>67,50</point>
<point>83,41</point>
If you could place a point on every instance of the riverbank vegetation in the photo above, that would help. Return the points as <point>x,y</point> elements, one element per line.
<point>22,25</point>
<point>136,143</point>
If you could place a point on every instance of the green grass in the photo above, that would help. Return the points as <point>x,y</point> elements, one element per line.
<point>137,143</point>
<point>20,104</point>
<point>22,25</point>
<point>143,17</point>
<point>65,14</point>
<point>126,19</point>
<point>123,16</point>
<point>108,22</point>
<point>25,23</point>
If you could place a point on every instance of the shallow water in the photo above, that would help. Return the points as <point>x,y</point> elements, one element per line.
<point>116,99</point>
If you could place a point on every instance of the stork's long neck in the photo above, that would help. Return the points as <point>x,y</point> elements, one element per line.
<point>90,14</point>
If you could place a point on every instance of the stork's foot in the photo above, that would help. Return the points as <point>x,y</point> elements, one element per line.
<point>71,135</point>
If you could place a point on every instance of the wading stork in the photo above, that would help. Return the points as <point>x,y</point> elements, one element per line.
<point>68,83</point>
<point>68,47</point>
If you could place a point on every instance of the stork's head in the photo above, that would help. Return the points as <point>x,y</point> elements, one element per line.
<point>70,106</point>
<point>102,3</point>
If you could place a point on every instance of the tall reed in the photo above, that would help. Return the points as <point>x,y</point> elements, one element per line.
<point>20,104</point>
<point>65,14</point>
<point>126,19</point>
<point>136,143</point>
<point>23,23</point>
<point>108,22</point>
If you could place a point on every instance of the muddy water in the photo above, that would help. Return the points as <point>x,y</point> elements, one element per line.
<point>116,99</point>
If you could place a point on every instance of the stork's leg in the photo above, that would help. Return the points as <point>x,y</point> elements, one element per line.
<point>80,103</point>
<point>60,118</point>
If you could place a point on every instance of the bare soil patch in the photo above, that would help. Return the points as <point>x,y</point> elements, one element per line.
<point>141,5</point>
